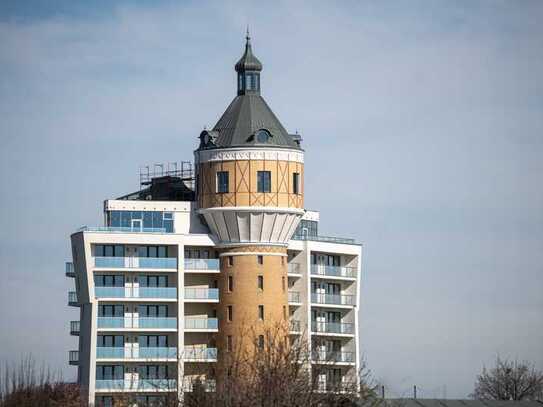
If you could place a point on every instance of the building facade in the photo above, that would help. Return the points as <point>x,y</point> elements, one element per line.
<point>183,269</point>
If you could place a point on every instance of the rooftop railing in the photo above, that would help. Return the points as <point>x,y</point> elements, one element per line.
<point>201,323</point>
<point>201,293</point>
<point>333,271</point>
<point>202,264</point>
<point>115,229</point>
<point>333,299</point>
<point>332,327</point>
<point>330,239</point>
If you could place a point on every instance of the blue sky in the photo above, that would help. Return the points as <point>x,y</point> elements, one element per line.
<point>422,124</point>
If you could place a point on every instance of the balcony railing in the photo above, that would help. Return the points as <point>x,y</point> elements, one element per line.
<point>293,296</point>
<point>294,268</point>
<point>132,292</point>
<point>332,327</point>
<point>333,271</point>
<point>202,264</point>
<point>193,354</point>
<point>333,299</point>
<point>115,229</point>
<point>136,353</point>
<point>201,293</point>
<point>136,262</point>
<point>143,323</point>
<point>330,239</point>
<point>209,385</point>
<point>295,326</point>
<point>70,271</point>
<point>333,356</point>
<point>142,384</point>
<point>72,299</point>
<point>73,357</point>
<point>201,323</point>
<point>74,328</point>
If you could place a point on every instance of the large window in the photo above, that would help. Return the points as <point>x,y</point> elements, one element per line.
<point>111,311</point>
<point>222,182</point>
<point>110,341</point>
<point>153,311</point>
<point>109,281</point>
<point>109,372</point>
<point>109,250</point>
<point>153,371</point>
<point>141,220</point>
<point>263,181</point>
<point>153,281</point>
<point>153,341</point>
<point>296,183</point>
<point>153,251</point>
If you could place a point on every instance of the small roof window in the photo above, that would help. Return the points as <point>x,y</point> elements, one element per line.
<point>262,136</point>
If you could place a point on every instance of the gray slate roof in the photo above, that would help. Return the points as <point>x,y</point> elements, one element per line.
<point>246,115</point>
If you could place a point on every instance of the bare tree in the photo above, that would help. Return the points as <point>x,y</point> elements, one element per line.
<point>509,380</point>
<point>26,384</point>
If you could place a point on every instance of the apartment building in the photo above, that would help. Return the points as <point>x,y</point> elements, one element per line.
<point>165,286</point>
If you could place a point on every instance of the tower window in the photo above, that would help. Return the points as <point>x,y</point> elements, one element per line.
<point>229,343</point>
<point>230,283</point>
<point>230,260</point>
<point>263,181</point>
<point>261,312</point>
<point>262,136</point>
<point>261,282</point>
<point>260,341</point>
<point>260,259</point>
<point>296,183</point>
<point>222,182</point>
<point>229,313</point>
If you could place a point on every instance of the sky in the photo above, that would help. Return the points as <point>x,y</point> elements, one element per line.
<point>422,123</point>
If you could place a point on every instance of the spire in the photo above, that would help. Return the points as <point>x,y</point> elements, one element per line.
<point>248,69</point>
<point>248,62</point>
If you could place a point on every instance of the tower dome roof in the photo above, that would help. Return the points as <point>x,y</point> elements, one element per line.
<point>248,62</point>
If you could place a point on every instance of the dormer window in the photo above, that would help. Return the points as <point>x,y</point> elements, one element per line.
<point>262,136</point>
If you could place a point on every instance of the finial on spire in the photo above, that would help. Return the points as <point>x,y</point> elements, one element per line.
<point>247,36</point>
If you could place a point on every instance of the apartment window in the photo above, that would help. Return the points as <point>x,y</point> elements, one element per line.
<point>296,183</point>
<point>153,251</point>
<point>229,343</point>
<point>109,281</point>
<point>109,372</point>
<point>260,280</point>
<point>260,341</point>
<point>230,260</point>
<point>261,312</point>
<point>260,259</point>
<point>153,371</point>
<point>222,182</point>
<point>263,181</point>
<point>230,283</point>
<point>229,313</point>
<point>153,281</point>
<point>111,311</point>
<point>153,341</point>
<point>153,311</point>
<point>109,250</point>
<point>110,341</point>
